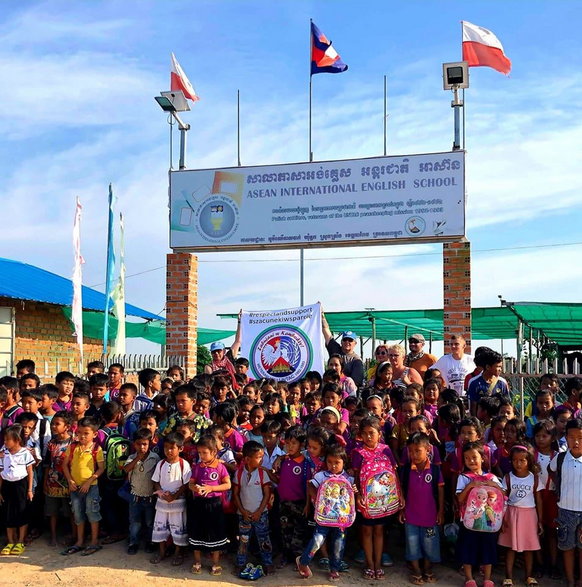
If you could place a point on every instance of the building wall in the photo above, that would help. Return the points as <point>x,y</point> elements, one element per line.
<point>43,334</point>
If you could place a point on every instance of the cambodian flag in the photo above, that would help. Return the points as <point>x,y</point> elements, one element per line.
<point>324,58</point>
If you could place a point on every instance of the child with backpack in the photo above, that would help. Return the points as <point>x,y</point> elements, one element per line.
<point>116,448</point>
<point>332,491</point>
<point>83,465</point>
<point>378,494</point>
<point>523,520</point>
<point>251,495</point>
<point>290,475</point>
<point>567,470</point>
<point>480,500</point>
<point>206,522</point>
<point>139,468</point>
<point>170,478</point>
<point>544,433</point>
<point>56,490</point>
<point>423,489</point>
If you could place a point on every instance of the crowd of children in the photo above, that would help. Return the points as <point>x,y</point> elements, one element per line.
<point>281,471</point>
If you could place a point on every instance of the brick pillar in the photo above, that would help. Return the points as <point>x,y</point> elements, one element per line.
<point>457,291</point>
<point>182,308</point>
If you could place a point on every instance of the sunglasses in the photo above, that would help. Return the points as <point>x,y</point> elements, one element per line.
<point>381,353</point>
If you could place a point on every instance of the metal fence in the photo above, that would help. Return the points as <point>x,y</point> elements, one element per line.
<point>132,364</point>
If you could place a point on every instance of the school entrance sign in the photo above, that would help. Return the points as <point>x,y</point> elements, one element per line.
<point>380,200</point>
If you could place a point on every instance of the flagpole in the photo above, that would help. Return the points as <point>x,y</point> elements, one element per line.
<point>463,94</point>
<point>310,156</point>
<point>108,271</point>
<point>385,115</point>
<point>238,125</point>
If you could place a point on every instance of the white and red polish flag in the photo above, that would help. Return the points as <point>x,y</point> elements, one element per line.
<point>179,81</point>
<point>482,48</point>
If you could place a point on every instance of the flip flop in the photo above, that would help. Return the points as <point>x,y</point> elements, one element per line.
<point>18,549</point>
<point>306,573</point>
<point>7,549</point>
<point>72,550</point>
<point>91,549</point>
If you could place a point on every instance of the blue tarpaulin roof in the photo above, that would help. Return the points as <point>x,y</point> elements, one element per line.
<point>21,281</point>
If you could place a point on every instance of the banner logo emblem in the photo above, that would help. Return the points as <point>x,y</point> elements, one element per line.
<point>283,353</point>
<point>217,218</point>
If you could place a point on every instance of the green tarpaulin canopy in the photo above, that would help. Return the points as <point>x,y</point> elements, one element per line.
<point>561,323</point>
<point>152,330</point>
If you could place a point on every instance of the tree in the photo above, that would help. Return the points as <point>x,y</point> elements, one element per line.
<point>203,358</point>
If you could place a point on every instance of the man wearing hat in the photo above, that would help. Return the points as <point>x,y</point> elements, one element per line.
<point>219,360</point>
<point>417,358</point>
<point>353,365</point>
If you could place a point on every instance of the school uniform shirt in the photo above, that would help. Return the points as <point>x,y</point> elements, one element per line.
<point>293,479</point>
<point>464,480</point>
<point>226,456</point>
<point>249,435</point>
<point>324,475</point>
<point>140,478</point>
<point>62,405</point>
<point>82,463</point>
<point>14,465</point>
<point>421,509</point>
<point>55,482</point>
<point>45,429</point>
<point>213,474</point>
<point>251,485</point>
<point>543,476</point>
<point>571,480</point>
<point>171,476</point>
<point>234,440</point>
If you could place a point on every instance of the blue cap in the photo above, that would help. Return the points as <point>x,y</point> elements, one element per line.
<point>349,334</point>
<point>216,346</point>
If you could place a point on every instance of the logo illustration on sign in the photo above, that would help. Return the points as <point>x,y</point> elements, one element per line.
<point>217,218</point>
<point>283,353</point>
<point>415,225</point>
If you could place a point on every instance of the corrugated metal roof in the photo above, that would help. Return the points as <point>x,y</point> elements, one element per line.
<point>21,281</point>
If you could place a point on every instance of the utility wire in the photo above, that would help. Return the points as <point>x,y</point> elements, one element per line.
<point>495,250</point>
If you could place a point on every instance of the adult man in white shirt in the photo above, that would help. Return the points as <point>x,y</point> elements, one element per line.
<point>455,366</point>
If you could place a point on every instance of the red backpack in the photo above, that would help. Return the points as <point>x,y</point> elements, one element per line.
<point>380,491</point>
<point>228,506</point>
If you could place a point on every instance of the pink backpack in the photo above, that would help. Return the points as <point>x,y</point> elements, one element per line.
<point>335,505</point>
<point>379,486</point>
<point>484,507</point>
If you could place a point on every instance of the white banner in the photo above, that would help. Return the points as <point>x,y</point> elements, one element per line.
<point>283,344</point>
<point>77,304</point>
<point>381,200</point>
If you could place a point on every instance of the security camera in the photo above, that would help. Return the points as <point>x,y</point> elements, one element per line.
<point>455,75</point>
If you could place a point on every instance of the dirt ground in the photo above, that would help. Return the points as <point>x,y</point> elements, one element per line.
<point>43,565</point>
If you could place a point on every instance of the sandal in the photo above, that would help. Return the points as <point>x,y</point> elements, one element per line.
<point>488,583</point>
<point>196,569</point>
<point>178,560</point>
<point>7,549</point>
<point>156,559</point>
<point>18,549</point>
<point>379,574</point>
<point>91,549</point>
<point>530,581</point>
<point>216,570</point>
<point>334,576</point>
<point>324,563</point>
<point>416,579</point>
<point>507,583</point>
<point>429,578</point>
<point>369,574</point>
<point>471,583</point>
<point>71,550</point>
<point>304,570</point>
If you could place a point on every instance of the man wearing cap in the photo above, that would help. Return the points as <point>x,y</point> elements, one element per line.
<point>353,365</point>
<point>417,358</point>
<point>219,360</point>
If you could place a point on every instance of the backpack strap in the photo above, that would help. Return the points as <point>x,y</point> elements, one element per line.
<point>405,478</point>
<point>41,434</point>
<point>559,464</point>
<point>435,472</point>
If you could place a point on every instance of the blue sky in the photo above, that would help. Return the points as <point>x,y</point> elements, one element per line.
<point>79,80</point>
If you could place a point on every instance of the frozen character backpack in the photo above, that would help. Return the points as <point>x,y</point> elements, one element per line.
<point>379,487</point>
<point>484,507</point>
<point>335,505</point>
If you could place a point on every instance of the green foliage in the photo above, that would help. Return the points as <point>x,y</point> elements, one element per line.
<point>203,358</point>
